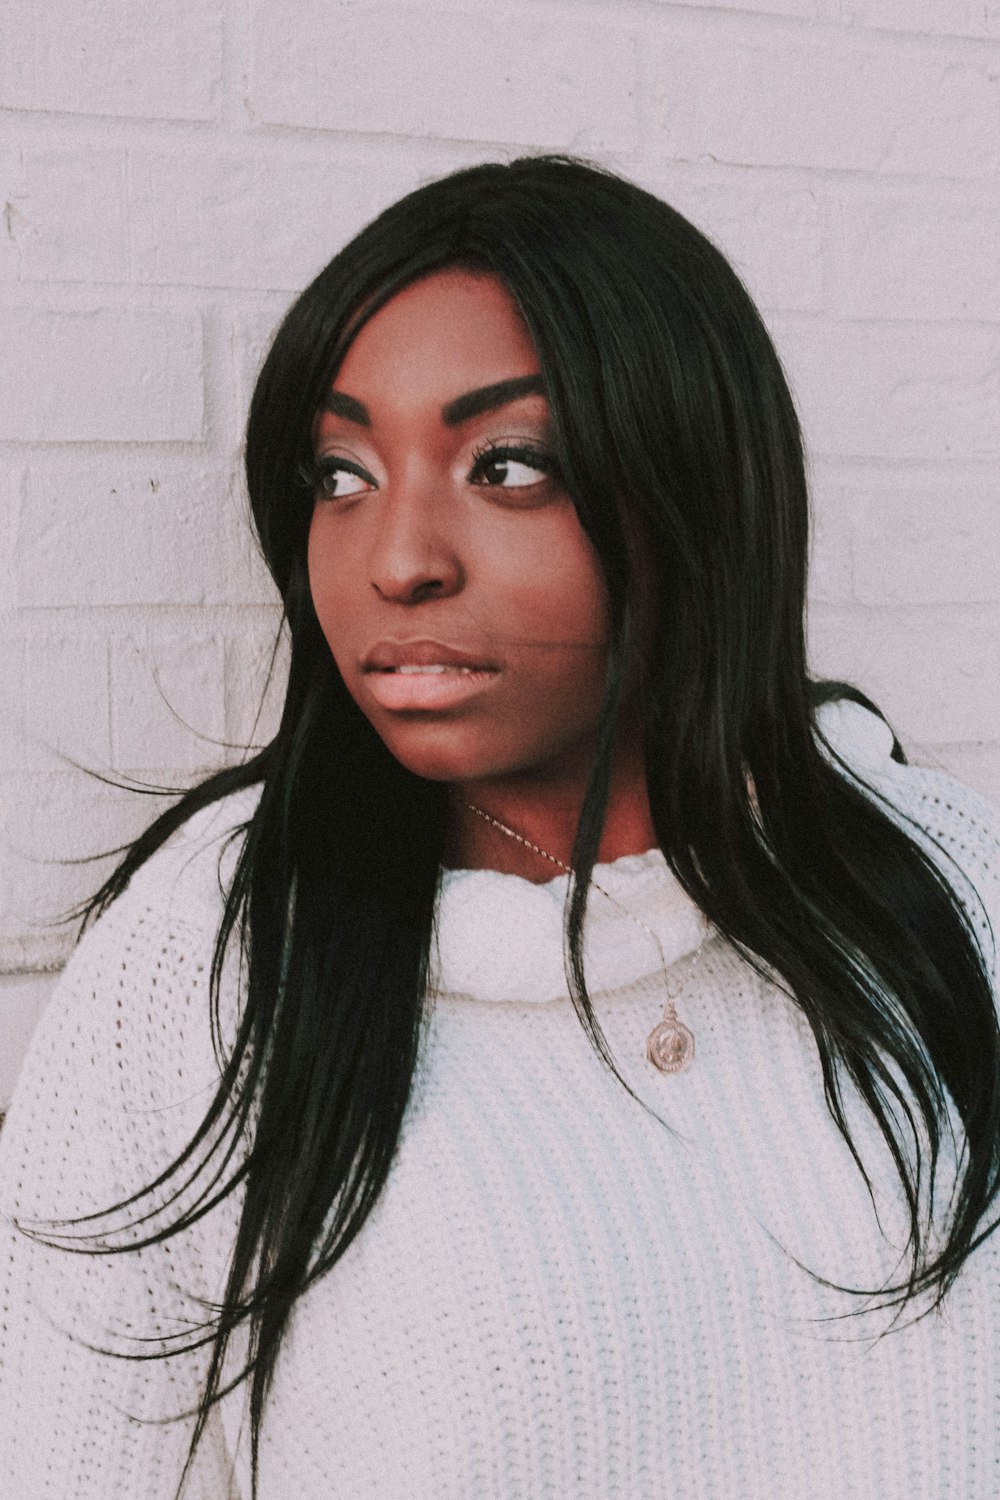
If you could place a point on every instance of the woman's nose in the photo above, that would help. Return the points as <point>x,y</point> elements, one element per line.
<point>413,558</point>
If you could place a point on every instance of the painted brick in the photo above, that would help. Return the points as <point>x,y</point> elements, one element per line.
<point>14,754</point>
<point>928,257</point>
<point>804,8</point>
<point>11,479</point>
<point>64,214</point>
<point>976,764</point>
<point>23,997</point>
<point>137,533</point>
<point>112,57</point>
<point>168,703</point>
<point>894,390</point>
<point>535,78</point>
<point>248,579</point>
<point>254,693</point>
<point>245,578</point>
<point>831,578</point>
<point>771,235</point>
<point>64,706</point>
<point>12,224</point>
<point>831,100</point>
<point>926,547</point>
<point>49,824</point>
<point>251,338</point>
<point>258,221</point>
<point>975,18</point>
<point>935,672</point>
<point>105,374</point>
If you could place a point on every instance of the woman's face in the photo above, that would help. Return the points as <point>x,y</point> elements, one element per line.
<point>460,597</point>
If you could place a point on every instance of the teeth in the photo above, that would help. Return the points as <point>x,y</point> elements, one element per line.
<point>412,671</point>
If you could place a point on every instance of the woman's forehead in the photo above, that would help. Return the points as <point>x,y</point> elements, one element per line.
<point>438,343</point>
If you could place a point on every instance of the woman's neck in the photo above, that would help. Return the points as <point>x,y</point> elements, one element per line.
<point>544,808</point>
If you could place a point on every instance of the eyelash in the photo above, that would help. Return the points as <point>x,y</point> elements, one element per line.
<point>491,451</point>
<point>522,453</point>
<point>318,469</point>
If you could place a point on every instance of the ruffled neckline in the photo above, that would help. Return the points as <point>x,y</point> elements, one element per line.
<point>499,937</point>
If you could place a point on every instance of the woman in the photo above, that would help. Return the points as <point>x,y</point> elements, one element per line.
<point>348,1201</point>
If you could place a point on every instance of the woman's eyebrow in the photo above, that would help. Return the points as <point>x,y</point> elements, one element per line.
<point>489,397</point>
<point>471,404</point>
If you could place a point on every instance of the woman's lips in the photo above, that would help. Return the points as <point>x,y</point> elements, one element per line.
<point>436,685</point>
<point>385,655</point>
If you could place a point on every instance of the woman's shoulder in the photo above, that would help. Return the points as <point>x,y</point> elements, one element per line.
<point>130,1016</point>
<point>188,876</point>
<point>162,928</point>
<point>946,816</point>
<point>935,800</point>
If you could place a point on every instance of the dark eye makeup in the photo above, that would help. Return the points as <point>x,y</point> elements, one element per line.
<point>492,458</point>
<point>494,455</point>
<point>320,475</point>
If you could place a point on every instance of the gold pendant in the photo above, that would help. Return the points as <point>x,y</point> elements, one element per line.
<point>671,1045</point>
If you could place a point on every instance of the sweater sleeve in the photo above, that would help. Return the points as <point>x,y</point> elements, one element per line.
<point>117,1077</point>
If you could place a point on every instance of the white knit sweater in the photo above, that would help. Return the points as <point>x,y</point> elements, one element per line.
<point>559,1294</point>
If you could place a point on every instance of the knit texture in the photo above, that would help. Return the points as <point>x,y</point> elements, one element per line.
<point>560,1293</point>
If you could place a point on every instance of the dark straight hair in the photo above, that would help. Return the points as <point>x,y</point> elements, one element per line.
<point>679,444</point>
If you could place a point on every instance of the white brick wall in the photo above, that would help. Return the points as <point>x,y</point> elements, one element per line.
<point>541,74</point>
<point>111,374</point>
<point>171,175</point>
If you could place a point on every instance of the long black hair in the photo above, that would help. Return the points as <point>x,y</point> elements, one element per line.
<point>679,444</point>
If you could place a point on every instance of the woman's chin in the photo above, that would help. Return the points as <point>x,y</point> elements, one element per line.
<point>466,755</point>
<point>444,757</point>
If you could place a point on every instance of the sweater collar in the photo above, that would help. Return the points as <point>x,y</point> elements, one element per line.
<point>500,937</point>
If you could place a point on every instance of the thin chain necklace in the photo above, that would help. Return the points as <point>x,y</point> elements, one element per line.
<point>670,1046</point>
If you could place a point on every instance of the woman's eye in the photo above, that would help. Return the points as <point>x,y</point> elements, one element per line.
<point>337,478</point>
<point>510,468</point>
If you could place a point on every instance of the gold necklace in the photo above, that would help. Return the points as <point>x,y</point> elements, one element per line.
<point>670,1045</point>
